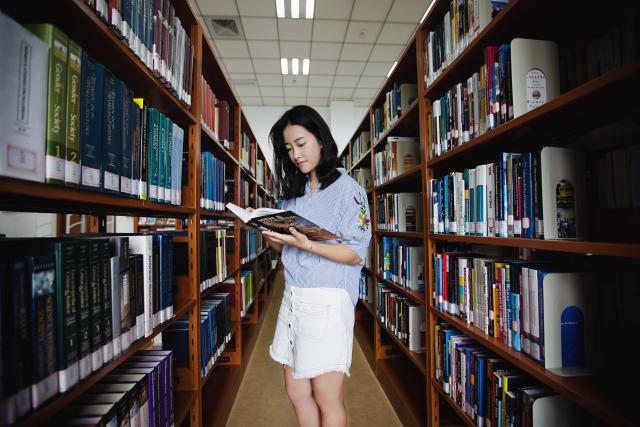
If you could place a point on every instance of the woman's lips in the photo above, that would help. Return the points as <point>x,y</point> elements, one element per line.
<point>301,163</point>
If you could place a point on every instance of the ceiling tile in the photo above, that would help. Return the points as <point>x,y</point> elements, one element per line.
<point>264,49</point>
<point>385,52</point>
<point>320,81</point>
<point>377,68</point>
<point>244,90</point>
<point>269,79</point>
<point>355,52</point>
<point>290,49</point>
<point>346,81</point>
<point>330,51</point>
<point>365,93</point>
<point>295,29</point>
<point>369,82</point>
<point>318,102</point>
<point>238,65</point>
<point>273,100</point>
<point>271,90</point>
<point>396,33</point>
<point>260,28</point>
<point>218,7</point>
<point>350,68</point>
<point>322,67</point>
<point>370,10</point>
<point>318,92</point>
<point>242,76</point>
<point>295,101</point>
<point>290,92</point>
<point>267,66</point>
<point>297,81</point>
<point>251,100</point>
<point>408,11</point>
<point>329,30</point>
<point>361,102</point>
<point>232,48</point>
<point>333,9</point>
<point>342,93</point>
<point>256,8</point>
<point>362,32</point>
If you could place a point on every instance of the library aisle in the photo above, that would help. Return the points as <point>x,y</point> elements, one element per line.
<point>366,402</point>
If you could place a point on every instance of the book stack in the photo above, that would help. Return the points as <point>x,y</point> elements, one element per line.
<point>404,318</point>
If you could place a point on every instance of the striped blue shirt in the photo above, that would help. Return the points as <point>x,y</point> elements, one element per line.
<point>342,209</point>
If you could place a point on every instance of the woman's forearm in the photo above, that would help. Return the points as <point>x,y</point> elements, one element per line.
<point>338,253</point>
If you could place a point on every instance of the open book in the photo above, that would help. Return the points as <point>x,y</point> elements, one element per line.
<point>279,221</point>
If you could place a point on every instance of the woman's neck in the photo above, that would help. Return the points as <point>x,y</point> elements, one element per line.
<point>313,181</point>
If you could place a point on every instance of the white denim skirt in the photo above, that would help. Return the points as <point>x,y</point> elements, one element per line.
<point>314,331</point>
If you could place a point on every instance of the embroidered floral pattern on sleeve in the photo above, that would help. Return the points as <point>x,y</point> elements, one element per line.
<point>363,221</point>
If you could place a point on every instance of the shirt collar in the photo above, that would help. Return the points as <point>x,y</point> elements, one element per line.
<point>307,185</point>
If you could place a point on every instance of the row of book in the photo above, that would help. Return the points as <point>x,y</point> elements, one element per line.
<point>138,392</point>
<point>365,288</point>
<point>71,305</point>
<point>151,29</point>
<point>260,172</point>
<point>493,392</point>
<point>251,242</point>
<point>247,285</point>
<point>397,100</point>
<point>462,22</point>
<point>246,193</point>
<point>215,325</point>
<point>214,245</point>
<point>400,154</point>
<point>503,88</point>
<point>532,195</point>
<point>363,177</point>
<point>536,307</point>
<point>212,185</point>
<point>215,115</point>
<point>402,317</point>
<point>402,262</point>
<point>248,153</point>
<point>359,146</point>
<point>400,212</point>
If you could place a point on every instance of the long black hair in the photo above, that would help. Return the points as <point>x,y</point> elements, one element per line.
<point>291,181</point>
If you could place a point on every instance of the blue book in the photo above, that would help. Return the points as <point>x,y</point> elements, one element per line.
<point>91,122</point>
<point>528,218</point>
<point>111,133</point>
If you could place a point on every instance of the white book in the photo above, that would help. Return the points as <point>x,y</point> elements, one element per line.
<point>563,193</point>
<point>23,87</point>
<point>491,186</point>
<point>417,328</point>
<point>409,212</point>
<point>535,74</point>
<point>143,245</point>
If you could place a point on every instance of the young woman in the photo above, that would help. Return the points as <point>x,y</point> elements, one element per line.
<point>314,331</point>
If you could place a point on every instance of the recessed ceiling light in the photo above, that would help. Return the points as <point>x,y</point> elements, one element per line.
<point>280,8</point>
<point>305,66</point>
<point>294,66</point>
<point>310,4</point>
<point>295,9</point>
<point>284,65</point>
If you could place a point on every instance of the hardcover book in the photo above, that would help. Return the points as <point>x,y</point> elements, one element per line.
<point>279,221</point>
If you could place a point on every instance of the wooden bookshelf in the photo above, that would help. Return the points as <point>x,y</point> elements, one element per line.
<point>401,180</point>
<point>413,295</point>
<point>81,23</point>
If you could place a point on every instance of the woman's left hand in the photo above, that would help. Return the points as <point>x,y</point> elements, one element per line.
<point>295,239</point>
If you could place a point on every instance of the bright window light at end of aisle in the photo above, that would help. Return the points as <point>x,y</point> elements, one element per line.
<point>294,66</point>
<point>280,8</point>
<point>285,65</point>
<point>393,67</point>
<point>295,9</point>
<point>305,66</point>
<point>310,4</point>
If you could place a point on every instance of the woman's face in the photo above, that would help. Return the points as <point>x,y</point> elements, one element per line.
<point>303,148</point>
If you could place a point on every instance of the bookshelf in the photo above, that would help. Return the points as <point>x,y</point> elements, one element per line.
<point>198,400</point>
<point>585,107</point>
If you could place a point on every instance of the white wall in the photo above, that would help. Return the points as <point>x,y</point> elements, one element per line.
<point>342,123</point>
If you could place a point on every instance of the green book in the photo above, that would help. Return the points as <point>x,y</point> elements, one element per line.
<point>162,149</point>
<point>169,194</point>
<point>56,100</point>
<point>72,163</point>
<point>83,312</point>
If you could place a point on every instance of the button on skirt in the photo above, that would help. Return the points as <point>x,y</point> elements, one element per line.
<point>314,331</point>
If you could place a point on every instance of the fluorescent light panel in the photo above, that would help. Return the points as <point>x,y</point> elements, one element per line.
<point>280,8</point>
<point>284,65</point>
<point>294,66</point>
<point>305,66</point>
<point>309,4</point>
<point>295,9</point>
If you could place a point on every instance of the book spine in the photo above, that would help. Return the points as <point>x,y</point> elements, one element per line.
<point>83,313</point>
<point>91,123</point>
<point>74,86</point>
<point>111,133</point>
<point>161,157</point>
<point>105,296</point>
<point>153,140</point>
<point>67,327</point>
<point>95,305</point>
<point>127,142</point>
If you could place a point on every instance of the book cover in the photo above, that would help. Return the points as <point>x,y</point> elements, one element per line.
<point>23,86</point>
<point>279,221</point>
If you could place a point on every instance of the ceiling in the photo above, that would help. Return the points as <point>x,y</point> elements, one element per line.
<point>352,45</point>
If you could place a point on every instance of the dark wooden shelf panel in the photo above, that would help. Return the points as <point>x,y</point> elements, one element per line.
<point>395,182</point>
<point>217,285</point>
<point>405,125</point>
<point>418,359</point>
<point>415,296</point>
<point>364,331</point>
<point>585,100</point>
<point>627,250</point>
<point>225,378</point>
<point>406,392</point>
<point>183,401</point>
<point>54,406</point>
<point>407,234</point>
<point>247,174</point>
<point>363,158</point>
<point>369,307</point>
<point>217,214</point>
<point>217,147</point>
<point>465,418</point>
<point>590,392</point>
<point>20,195</point>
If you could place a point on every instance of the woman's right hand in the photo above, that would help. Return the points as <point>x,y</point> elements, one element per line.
<point>273,242</point>
<point>249,209</point>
